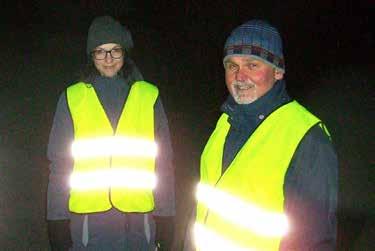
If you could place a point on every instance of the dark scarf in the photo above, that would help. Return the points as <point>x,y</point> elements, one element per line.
<point>245,118</point>
<point>112,93</point>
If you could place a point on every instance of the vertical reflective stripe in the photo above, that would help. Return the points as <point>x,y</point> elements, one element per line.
<point>85,230</point>
<point>146,225</point>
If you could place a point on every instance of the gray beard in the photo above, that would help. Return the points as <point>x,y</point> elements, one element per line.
<point>237,86</point>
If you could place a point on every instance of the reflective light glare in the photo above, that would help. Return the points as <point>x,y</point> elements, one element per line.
<point>241,213</point>
<point>114,177</point>
<point>113,146</point>
<point>206,240</point>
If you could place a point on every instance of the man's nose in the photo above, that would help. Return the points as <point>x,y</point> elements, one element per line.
<point>240,75</point>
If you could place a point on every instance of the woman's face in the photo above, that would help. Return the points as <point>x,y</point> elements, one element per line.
<point>108,59</point>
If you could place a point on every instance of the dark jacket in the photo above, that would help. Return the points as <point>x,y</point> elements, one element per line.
<point>310,187</point>
<point>112,93</point>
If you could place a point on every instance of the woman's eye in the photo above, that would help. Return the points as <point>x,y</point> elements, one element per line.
<point>117,50</point>
<point>99,52</point>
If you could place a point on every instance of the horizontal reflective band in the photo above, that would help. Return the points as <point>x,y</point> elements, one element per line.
<point>206,240</point>
<point>113,146</point>
<point>241,213</point>
<point>114,177</point>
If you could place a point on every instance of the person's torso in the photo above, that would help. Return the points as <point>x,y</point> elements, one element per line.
<point>112,166</point>
<point>254,179</point>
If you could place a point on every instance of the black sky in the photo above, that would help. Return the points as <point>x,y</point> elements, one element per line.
<point>315,32</point>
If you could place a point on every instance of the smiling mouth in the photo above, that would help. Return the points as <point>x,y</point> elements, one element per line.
<point>244,87</point>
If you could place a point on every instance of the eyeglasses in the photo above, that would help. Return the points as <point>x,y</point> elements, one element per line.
<point>101,54</point>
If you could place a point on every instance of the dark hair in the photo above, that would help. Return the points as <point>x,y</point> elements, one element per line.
<point>128,72</point>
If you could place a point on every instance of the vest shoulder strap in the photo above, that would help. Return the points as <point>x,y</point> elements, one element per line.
<point>75,91</point>
<point>143,85</point>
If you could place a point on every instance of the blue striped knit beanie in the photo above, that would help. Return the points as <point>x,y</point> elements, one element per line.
<point>258,39</point>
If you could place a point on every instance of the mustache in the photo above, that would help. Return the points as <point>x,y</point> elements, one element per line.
<point>242,84</point>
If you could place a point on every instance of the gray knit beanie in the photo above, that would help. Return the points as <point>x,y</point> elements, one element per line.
<point>104,30</point>
<point>258,39</point>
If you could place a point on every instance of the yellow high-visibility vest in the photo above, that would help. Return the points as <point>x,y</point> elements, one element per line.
<point>108,162</point>
<point>242,209</point>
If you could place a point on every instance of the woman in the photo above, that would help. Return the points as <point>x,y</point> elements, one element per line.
<point>107,182</point>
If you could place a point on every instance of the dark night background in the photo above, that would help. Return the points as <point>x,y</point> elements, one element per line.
<point>329,50</point>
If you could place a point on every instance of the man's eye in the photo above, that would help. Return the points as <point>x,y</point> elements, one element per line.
<point>231,67</point>
<point>252,66</point>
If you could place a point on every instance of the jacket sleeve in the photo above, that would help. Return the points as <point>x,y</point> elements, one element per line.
<point>61,164</point>
<point>310,193</point>
<point>165,191</point>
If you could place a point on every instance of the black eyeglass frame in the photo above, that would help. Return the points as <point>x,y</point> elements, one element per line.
<point>108,51</point>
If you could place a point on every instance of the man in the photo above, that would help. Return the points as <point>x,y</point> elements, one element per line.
<point>268,171</point>
<point>112,178</point>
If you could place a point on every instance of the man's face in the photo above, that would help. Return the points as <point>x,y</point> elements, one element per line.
<point>108,64</point>
<point>248,79</point>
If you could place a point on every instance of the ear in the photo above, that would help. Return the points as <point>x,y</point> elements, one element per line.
<point>278,74</point>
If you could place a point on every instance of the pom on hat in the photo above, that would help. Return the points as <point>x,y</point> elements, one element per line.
<point>104,30</point>
<point>258,39</point>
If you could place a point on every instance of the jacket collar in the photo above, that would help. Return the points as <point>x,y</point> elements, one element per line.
<point>244,114</point>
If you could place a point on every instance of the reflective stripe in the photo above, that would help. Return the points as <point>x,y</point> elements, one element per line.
<point>146,225</point>
<point>113,146</point>
<point>241,213</point>
<point>85,230</point>
<point>113,177</point>
<point>206,240</point>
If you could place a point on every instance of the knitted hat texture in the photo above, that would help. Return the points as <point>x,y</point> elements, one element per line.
<point>104,30</point>
<point>258,39</point>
